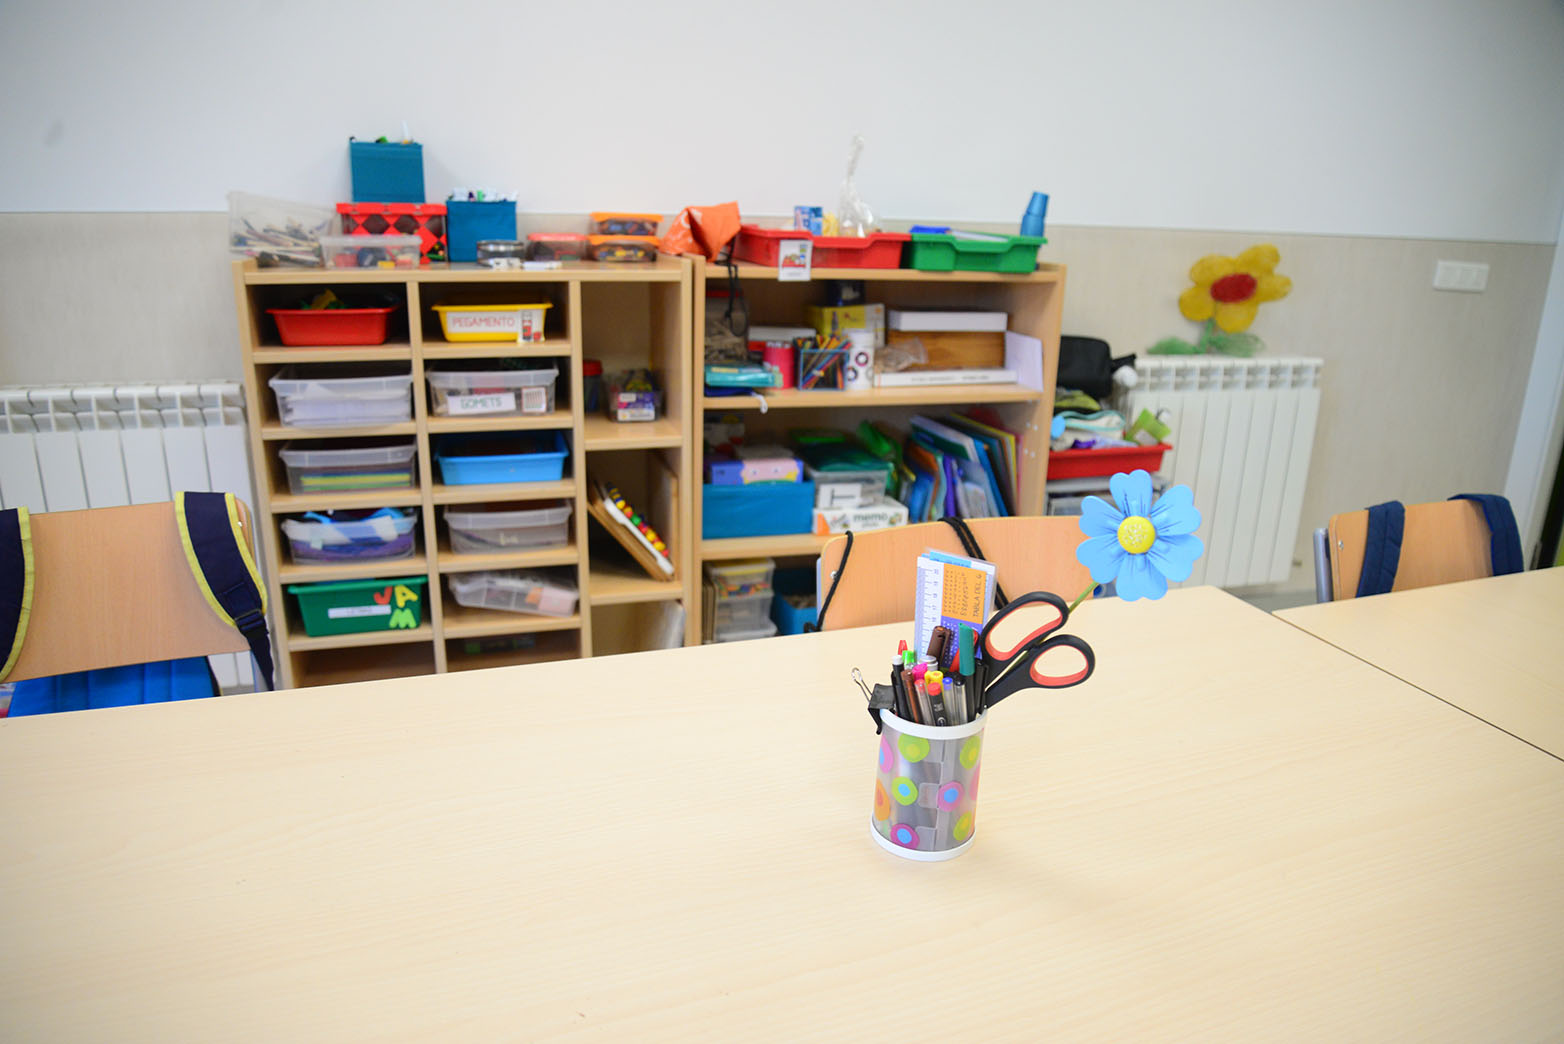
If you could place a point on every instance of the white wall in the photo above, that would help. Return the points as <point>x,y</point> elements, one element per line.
<point>1421,118</point>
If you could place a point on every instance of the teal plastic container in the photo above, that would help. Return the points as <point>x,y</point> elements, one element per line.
<point>929,252</point>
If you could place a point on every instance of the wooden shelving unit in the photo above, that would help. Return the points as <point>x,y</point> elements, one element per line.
<point>1034,301</point>
<point>624,315</point>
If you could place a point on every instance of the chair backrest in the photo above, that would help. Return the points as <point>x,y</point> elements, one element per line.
<point>1033,553</point>
<point>1442,542</point>
<point>111,586</point>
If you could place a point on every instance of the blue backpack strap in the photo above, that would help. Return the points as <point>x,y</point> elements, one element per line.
<point>219,558</point>
<point>1382,548</point>
<point>16,585</point>
<point>1504,536</point>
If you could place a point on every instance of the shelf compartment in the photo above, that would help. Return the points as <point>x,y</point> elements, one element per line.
<point>521,558</point>
<point>763,546</point>
<point>612,584</point>
<point>465,622</point>
<point>931,395</point>
<point>335,665</point>
<point>549,645</point>
<point>557,418</point>
<point>302,642</point>
<point>443,494</point>
<point>601,433</point>
<point>391,351</point>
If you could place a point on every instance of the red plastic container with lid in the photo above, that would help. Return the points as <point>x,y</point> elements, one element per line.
<point>1089,463</point>
<point>878,250</point>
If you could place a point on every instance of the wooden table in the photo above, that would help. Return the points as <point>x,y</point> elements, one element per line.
<point>1493,647</point>
<point>1233,831</point>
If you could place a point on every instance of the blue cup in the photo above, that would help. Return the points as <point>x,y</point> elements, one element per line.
<point>1036,212</point>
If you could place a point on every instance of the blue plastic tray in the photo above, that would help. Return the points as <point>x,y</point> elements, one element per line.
<point>471,460</point>
<point>759,509</point>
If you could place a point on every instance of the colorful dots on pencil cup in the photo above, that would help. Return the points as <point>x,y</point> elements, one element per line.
<point>925,788</point>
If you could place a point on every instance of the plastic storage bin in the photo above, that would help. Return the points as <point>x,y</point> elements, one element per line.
<point>971,252</point>
<point>741,579</point>
<point>767,630</point>
<point>464,321</point>
<point>478,530</point>
<point>351,536</point>
<point>307,327</point>
<point>617,223</point>
<point>326,396</point>
<point>877,250</point>
<point>556,246</point>
<point>424,220</point>
<point>741,613</point>
<point>467,221</point>
<point>370,251</point>
<point>501,253</point>
<point>758,509</point>
<point>275,231</point>
<point>523,457</point>
<point>623,248</point>
<point>855,488</point>
<point>491,392</point>
<point>514,591</point>
<point>313,469</point>
<point>1087,463</point>
<point>387,171</point>
<point>356,606</point>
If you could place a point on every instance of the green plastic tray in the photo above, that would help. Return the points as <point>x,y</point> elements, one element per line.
<point>946,253</point>
<point>352,606</point>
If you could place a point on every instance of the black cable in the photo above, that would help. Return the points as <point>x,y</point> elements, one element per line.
<point>841,567</point>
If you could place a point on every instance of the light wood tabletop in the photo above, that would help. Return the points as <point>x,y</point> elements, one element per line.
<point>1232,831</point>
<point>1493,647</point>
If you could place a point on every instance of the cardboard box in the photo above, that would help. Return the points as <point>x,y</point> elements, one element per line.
<point>875,516</point>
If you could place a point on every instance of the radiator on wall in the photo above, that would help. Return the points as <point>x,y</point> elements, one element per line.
<point>68,448</point>
<point>1243,430</point>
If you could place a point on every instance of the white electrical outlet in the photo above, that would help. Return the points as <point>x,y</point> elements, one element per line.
<point>1468,276</point>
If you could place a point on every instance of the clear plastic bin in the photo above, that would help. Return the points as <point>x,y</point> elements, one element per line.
<point>370,251</point>
<point>621,223</point>
<point>314,469</point>
<point>556,246</point>
<point>737,579</point>
<point>482,529</point>
<point>742,612</point>
<point>275,231</point>
<point>769,630</point>
<point>623,248</point>
<point>514,591</point>
<point>493,392</point>
<point>327,396</point>
<point>351,536</point>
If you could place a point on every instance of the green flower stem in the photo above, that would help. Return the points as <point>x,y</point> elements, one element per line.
<point>1083,595</point>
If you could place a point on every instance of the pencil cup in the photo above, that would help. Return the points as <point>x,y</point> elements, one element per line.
<point>925,788</point>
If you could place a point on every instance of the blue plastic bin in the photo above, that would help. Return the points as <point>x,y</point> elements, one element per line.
<point>386,172</point>
<point>466,222</point>
<point>533,456</point>
<point>789,618</point>
<point>161,682</point>
<point>759,509</point>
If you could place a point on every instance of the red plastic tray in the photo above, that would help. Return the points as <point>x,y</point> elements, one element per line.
<point>302,327</point>
<point>1088,463</point>
<point>878,250</point>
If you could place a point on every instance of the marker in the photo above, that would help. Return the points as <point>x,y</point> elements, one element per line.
<point>936,685</point>
<point>920,681</point>
<point>896,687</point>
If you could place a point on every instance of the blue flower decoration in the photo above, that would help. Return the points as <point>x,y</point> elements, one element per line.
<point>1139,543</point>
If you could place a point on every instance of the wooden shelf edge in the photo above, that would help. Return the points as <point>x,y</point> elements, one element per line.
<point>601,433</point>
<point>930,395</point>
<point>463,622</point>
<point>289,503</point>
<point>390,352</point>
<point>443,494</point>
<point>271,430</point>
<point>763,546</point>
<point>312,573</point>
<point>437,349</point>
<point>424,632</point>
<point>449,561</point>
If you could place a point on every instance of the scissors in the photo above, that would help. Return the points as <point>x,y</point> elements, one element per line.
<point>1018,654</point>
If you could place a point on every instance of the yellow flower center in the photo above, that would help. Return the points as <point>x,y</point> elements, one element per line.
<point>1136,534</point>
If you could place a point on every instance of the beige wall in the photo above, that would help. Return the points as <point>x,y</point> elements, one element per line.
<point>1422,388</point>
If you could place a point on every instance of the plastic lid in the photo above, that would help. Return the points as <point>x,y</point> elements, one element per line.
<point>591,368</point>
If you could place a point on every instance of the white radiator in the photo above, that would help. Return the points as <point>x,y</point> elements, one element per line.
<point>1243,430</point>
<point>68,448</point>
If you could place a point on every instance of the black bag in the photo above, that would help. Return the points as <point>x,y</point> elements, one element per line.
<point>1087,364</point>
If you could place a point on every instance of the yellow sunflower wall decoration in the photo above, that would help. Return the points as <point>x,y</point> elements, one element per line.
<point>1226,297</point>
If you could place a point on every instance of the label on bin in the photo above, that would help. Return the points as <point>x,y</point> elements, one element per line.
<point>488,402</point>
<point>348,612</point>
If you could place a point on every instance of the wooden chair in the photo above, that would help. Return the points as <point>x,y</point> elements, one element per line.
<point>1034,553</point>
<point>1442,542</point>
<point>111,587</point>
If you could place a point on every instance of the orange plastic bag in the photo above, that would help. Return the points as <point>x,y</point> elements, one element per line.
<point>702,230</point>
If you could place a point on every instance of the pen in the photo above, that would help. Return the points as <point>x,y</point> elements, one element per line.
<point>920,683</point>
<point>896,687</point>
<point>935,681</point>
<point>910,691</point>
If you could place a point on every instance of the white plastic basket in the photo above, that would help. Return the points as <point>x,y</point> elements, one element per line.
<point>476,532</point>
<point>320,397</point>
<point>476,392</point>
<point>514,591</point>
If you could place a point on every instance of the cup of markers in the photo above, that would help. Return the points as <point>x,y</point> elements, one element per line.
<point>931,719</point>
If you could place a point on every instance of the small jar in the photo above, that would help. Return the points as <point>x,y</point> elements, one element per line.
<point>591,385</point>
